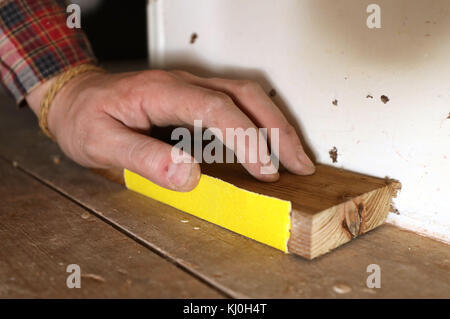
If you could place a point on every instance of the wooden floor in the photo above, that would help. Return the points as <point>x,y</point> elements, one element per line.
<point>55,213</point>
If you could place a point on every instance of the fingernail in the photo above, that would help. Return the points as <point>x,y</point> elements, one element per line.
<point>268,169</point>
<point>304,160</point>
<point>179,173</point>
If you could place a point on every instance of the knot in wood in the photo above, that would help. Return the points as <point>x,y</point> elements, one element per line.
<point>353,218</point>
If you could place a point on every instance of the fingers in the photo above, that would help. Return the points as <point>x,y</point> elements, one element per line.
<point>188,103</point>
<point>146,156</point>
<point>255,102</point>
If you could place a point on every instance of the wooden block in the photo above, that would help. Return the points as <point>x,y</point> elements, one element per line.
<point>325,210</point>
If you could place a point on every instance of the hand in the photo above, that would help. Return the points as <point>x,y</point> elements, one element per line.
<point>98,120</point>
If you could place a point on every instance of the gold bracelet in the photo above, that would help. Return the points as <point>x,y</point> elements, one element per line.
<point>59,83</point>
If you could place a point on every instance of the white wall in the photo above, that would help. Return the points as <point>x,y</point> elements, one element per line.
<point>315,51</point>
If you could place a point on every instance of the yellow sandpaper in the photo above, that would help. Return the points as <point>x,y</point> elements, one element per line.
<point>263,218</point>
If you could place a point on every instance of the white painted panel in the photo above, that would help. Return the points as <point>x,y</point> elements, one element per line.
<point>315,51</point>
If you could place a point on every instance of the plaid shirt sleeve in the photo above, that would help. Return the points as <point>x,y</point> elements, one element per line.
<point>36,44</point>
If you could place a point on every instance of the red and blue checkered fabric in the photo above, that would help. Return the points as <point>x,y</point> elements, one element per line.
<point>36,44</point>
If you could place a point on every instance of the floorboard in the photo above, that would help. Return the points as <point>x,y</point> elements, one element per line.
<point>42,232</point>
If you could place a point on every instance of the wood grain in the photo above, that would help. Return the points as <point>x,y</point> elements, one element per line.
<point>41,232</point>
<point>412,266</point>
<point>328,187</point>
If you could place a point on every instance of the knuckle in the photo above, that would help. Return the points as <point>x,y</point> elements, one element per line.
<point>138,80</point>
<point>180,72</point>
<point>137,155</point>
<point>159,75</point>
<point>216,105</point>
<point>247,86</point>
<point>218,101</point>
<point>144,155</point>
<point>288,130</point>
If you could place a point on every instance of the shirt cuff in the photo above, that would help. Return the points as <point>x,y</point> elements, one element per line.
<point>36,44</point>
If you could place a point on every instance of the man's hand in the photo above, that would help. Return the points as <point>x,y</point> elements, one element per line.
<point>98,120</point>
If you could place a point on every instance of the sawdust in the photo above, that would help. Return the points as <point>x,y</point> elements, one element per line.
<point>85,215</point>
<point>342,288</point>
<point>122,271</point>
<point>95,277</point>
<point>56,159</point>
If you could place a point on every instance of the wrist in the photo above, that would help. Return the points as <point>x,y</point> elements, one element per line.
<point>57,93</point>
<point>64,99</point>
<point>36,95</point>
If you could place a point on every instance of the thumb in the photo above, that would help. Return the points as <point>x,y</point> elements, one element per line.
<point>152,159</point>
